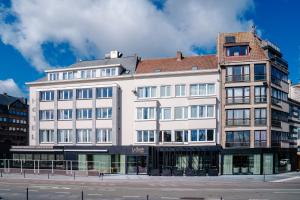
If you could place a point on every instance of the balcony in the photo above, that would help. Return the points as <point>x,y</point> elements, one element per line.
<point>260,121</point>
<point>280,61</point>
<point>238,100</point>
<point>237,78</point>
<point>276,102</point>
<point>276,123</point>
<point>260,99</point>
<point>260,77</point>
<point>238,122</point>
<point>238,144</point>
<point>260,143</point>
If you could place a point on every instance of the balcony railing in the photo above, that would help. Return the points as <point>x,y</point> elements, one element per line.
<point>260,121</point>
<point>238,78</point>
<point>260,143</point>
<point>260,77</point>
<point>276,102</point>
<point>276,81</point>
<point>238,100</point>
<point>238,144</point>
<point>280,61</point>
<point>260,99</point>
<point>276,123</point>
<point>238,122</point>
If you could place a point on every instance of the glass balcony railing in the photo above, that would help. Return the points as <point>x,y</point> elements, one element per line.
<point>237,78</point>
<point>260,143</point>
<point>260,99</point>
<point>260,121</point>
<point>238,122</point>
<point>276,123</point>
<point>238,100</point>
<point>238,144</point>
<point>280,61</point>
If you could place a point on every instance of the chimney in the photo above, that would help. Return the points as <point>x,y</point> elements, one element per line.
<point>179,55</point>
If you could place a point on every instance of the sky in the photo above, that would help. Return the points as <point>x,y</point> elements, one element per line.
<point>36,35</point>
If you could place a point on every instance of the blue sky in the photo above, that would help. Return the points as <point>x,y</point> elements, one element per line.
<point>35,36</point>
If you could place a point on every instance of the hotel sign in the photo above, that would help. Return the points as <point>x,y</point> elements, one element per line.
<point>138,150</point>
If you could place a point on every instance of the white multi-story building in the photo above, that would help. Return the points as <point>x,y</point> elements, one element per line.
<point>131,115</point>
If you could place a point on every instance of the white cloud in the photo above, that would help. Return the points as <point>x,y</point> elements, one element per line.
<point>94,27</point>
<point>10,87</point>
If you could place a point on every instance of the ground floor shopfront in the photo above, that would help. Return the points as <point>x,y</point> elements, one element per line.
<point>258,161</point>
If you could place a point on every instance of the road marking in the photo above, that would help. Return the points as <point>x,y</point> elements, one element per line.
<point>62,192</point>
<point>32,191</point>
<point>169,198</point>
<point>131,196</point>
<point>285,179</point>
<point>4,189</point>
<point>258,199</point>
<point>95,194</point>
<point>287,192</point>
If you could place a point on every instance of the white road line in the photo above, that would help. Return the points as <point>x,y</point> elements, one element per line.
<point>287,192</point>
<point>258,199</point>
<point>62,192</point>
<point>131,196</point>
<point>4,189</point>
<point>285,179</point>
<point>169,198</point>
<point>32,191</point>
<point>95,194</point>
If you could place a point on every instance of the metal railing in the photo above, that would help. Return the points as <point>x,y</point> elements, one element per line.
<point>260,99</point>
<point>237,144</point>
<point>237,78</point>
<point>260,121</point>
<point>260,143</point>
<point>238,100</point>
<point>238,122</point>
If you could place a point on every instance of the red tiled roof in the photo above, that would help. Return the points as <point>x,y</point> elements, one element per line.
<point>172,64</point>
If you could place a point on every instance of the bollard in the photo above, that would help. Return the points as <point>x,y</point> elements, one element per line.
<point>82,195</point>
<point>264,177</point>
<point>1,174</point>
<point>147,197</point>
<point>221,198</point>
<point>27,193</point>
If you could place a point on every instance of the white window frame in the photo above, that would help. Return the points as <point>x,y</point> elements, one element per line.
<point>64,114</point>
<point>84,113</point>
<point>105,113</point>
<point>68,75</point>
<point>141,110</point>
<point>53,76</point>
<point>165,91</point>
<point>205,111</point>
<point>182,90</point>
<point>104,92</point>
<point>197,89</point>
<point>46,115</point>
<point>205,132</point>
<point>182,135</point>
<point>43,95</point>
<point>184,112</point>
<point>162,114</point>
<point>108,72</point>
<point>143,132</point>
<point>80,93</point>
<point>82,134</point>
<point>103,133</point>
<point>64,134</point>
<point>147,92</point>
<point>49,134</point>
<point>66,95</point>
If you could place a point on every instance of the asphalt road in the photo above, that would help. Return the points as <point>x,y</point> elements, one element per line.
<point>157,188</point>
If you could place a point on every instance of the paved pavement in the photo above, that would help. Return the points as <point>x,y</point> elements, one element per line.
<point>125,187</point>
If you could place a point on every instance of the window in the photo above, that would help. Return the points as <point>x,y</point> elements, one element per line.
<point>237,139</point>
<point>106,72</point>
<point>103,135</point>
<point>104,113</point>
<point>179,90</point>
<point>46,115</point>
<point>202,135</point>
<point>260,138</point>
<point>84,113</point>
<point>68,75</point>
<point>278,76</point>
<point>278,96</point>
<point>145,136</point>
<point>103,93</point>
<point>238,95</point>
<point>165,113</point>
<point>65,94</point>
<point>88,73</point>
<point>202,111</point>
<point>64,135</point>
<point>47,95</point>
<point>83,135</point>
<point>260,93</point>
<point>165,91</point>
<point>146,92</point>
<point>237,73</point>
<point>181,136</point>
<point>65,114</point>
<point>260,116</point>
<point>46,136</point>
<point>181,112</point>
<point>53,76</point>
<point>260,72</point>
<point>202,89</point>
<point>146,113</point>
<point>238,117</point>
<point>86,93</point>
<point>237,50</point>
<point>165,136</point>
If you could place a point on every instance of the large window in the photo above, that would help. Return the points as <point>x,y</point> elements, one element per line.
<point>237,73</point>
<point>238,95</point>
<point>238,117</point>
<point>260,116</point>
<point>84,113</point>
<point>181,112</point>
<point>260,72</point>
<point>146,92</point>
<point>165,136</point>
<point>278,96</point>
<point>145,136</point>
<point>202,111</point>
<point>165,91</point>
<point>181,136</point>
<point>260,138</point>
<point>85,93</point>
<point>104,113</point>
<point>83,135</point>
<point>68,75</point>
<point>237,50</point>
<point>146,113</point>
<point>46,115</point>
<point>91,73</point>
<point>64,135</point>
<point>64,114</point>
<point>202,89</point>
<point>109,72</point>
<point>46,136</point>
<point>47,96</point>
<point>103,135</point>
<point>103,93</point>
<point>65,95</point>
<point>202,135</point>
<point>278,76</point>
<point>165,113</point>
<point>237,138</point>
<point>180,90</point>
<point>260,94</point>
<point>53,76</point>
